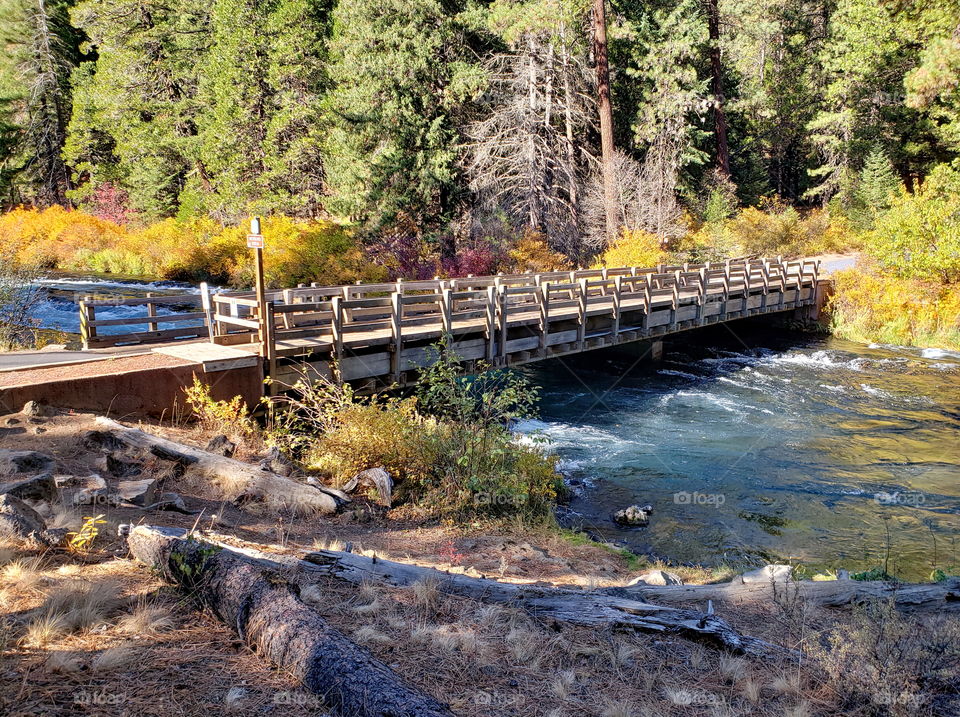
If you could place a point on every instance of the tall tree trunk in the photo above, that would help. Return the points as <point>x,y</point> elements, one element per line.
<point>568,119</point>
<point>716,71</point>
<point>606,118</point>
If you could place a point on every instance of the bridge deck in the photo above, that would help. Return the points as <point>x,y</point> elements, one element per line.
<point>382,334</point>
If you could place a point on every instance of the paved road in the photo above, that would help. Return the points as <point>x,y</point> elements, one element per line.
<point>16,360</point>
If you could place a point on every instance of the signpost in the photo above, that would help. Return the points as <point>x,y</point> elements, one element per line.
<point>255,242</point>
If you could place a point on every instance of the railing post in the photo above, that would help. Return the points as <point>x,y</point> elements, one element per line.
<point>766,285</point>
<point>503,310</point>
<point>336,332</point>
<point>288,301</point>
<point>543,299</point>
<point>396,329</point>
<point>726,291</point>
<point>582,315</point>
<point>702,299</point>
<point>617,291</point>
<point>491,322</point>
<point>151,312</point>
<point>86,316</point>
<point>271,345</point>
<point>207,309</point>
<point>647,302</point>
<point>446,310</point>
<point>674,303</point>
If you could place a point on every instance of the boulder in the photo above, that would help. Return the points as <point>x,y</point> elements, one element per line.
<point>35,409</point>
<point>138,492</point>
<point>276,462</point>
<point>769,574</point>
<point>39,487</point>
<point>377,478</point>
<point>18,521</point>
<point>634,515</point>
<point>118,466</point>
<point>12,462</point>
<point>83,490</point>
<point>657,577</point>
<point>222,446</point>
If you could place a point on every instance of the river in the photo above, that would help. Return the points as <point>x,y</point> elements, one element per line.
<point>752,447</point>
<point>765,447</point>
<point>60,294</point>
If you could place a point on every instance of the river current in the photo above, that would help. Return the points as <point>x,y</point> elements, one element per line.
<point>757,447</point>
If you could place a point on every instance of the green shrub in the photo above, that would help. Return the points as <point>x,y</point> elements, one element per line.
<point>450,449</point>
<point>919,236</point>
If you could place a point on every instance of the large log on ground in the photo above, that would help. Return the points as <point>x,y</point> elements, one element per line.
<point>266,611</point>
<point>907,597</point>
<point>237,480</point>
<point>575,607</point>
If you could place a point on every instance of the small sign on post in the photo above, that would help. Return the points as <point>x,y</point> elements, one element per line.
<point>255,242</point>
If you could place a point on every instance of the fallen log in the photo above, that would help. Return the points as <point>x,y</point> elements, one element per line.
<point>238,481</point>
<point>575,607</point>
<point>267,613</point>
<point>907,597</point>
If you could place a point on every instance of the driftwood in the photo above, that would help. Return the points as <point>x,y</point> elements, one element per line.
<point>575,607</point>
<point>267,612</point>
<point>937,597</point>
<point>238,480</point>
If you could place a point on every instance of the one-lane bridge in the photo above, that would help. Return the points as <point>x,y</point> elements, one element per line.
<point>378,335</point>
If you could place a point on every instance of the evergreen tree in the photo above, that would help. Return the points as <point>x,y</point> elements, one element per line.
<point>41,49</point>
<point>134,120</point>
<point>401,76</point>
<point>878,184</point>
<point>260,93</point>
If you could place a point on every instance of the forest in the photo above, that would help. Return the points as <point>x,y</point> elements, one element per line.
<point>425,137</point>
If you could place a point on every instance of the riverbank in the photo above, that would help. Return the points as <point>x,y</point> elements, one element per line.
<point>138,636</point>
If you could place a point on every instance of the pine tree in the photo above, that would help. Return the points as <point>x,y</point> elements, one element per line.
<point>878,182</point>
<point>400,75</point>
<point>260,91</point>
<point>134,119</point>
<point>40,51</point>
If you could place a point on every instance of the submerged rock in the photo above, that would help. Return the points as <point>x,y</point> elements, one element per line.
<point>634,515</point>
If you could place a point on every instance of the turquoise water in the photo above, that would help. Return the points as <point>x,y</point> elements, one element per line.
<point>754,448</point>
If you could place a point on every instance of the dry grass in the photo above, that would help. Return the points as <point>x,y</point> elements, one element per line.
<point>147,620</point>
<point>22,575</point>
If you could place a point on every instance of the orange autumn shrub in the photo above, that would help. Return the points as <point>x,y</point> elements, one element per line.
<point>193,249</point>
<point>52,237</point>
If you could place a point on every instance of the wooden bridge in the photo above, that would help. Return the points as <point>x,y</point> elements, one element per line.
<point>378,335</point>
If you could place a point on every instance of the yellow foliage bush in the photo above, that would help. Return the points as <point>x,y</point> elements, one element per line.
<point>191,250</point>
<point>635,247</point>
<point>783,230</point>
<point>871,306</point>
<point>532,253</point>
